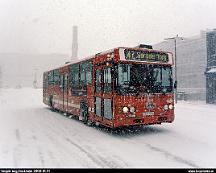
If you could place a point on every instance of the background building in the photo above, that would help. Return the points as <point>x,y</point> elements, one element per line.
<point>211,67</point>
<point>191,64</point>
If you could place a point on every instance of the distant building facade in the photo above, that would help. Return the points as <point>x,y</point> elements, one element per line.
<point>211,67</point>
<point>196,61</point>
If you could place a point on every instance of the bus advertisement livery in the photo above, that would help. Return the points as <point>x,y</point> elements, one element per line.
<point>120,87</point>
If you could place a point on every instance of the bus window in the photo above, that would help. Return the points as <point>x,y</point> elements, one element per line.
<point>162,77</point>
<point>65,81</point>
<point>75,76</point>
<point>98,106</point>
<point>45,81</point>
<point>62,82</point>
<point>108,109</point>
<point>98,80</point>
<point>167,76</point>
<point>50,78</point>
<point>142,78</point>
<point>85,74</point>
<point>157,76</point>
<point>107,80</point>
<point>89,72</point>
<point>123,74</point>
<point>56,77</point>
<point>82,75</point>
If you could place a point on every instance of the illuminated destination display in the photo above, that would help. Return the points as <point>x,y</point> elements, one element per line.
<point>146,56</point>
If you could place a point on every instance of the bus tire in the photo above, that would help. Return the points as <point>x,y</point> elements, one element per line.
<point>84,112</point>
<point>51,102</point>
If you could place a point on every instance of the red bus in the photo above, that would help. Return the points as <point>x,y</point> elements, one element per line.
<point>120,87</point>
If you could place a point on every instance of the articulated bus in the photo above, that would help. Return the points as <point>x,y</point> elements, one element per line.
<point>120,87</point>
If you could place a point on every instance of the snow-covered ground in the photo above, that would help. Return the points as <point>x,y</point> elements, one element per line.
<point>31,135</point>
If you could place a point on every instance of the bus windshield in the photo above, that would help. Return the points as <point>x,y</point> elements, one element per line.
<point>143,78</point>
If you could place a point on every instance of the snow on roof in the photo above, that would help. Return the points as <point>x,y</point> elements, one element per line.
<point>212,70</point>
<point>81,60</point>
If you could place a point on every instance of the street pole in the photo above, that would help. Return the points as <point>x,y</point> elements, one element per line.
<point>175,64</point>
<point>175,71</point>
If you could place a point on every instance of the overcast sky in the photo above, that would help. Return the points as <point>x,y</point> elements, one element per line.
<point>45,26</point>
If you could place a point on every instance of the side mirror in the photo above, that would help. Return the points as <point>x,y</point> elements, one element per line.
<point>175,85</point>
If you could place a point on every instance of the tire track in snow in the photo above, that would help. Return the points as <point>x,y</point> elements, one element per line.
<point>50,133</point>
<point>107,161</point>
<point>15,158</point>
<point>40,153</point>
<point>98,159</point>
<point>103,161</point>
<point>111,162</point>
<point>41,157</point>
<point>16,150</point>
<point>59,146</point>
<point>167,154</point>
<point>98,162</point>
<point>172,156</point>
<point>4,155</point>
<point>53,159</point>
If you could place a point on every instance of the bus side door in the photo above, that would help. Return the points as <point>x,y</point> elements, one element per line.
<point>64,91</point>
<point>98,93</point>
<point>103,93</point>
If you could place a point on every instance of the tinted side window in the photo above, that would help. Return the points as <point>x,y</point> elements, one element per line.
<point>98,80</point>
<point>89,72</point>
<point>56,77</point>
<point>108,109</point>
<point>45,81</point>
<point>85,73</point>
<point>75,76</point>
<point>98,106</point>
<point>50,78</point>
<point>107,80</point>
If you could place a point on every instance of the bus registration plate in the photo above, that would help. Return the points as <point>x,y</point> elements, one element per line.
<point>148,113</point>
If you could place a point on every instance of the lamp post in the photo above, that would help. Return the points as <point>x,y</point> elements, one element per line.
<point>175,64</point>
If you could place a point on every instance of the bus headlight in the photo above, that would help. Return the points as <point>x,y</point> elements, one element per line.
<point>170,100</point>
<point>171,106</point>
<point>125,109</point>
<point>132,109</point>
<point>166,107</point>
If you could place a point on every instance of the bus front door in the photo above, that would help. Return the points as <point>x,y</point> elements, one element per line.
<point>103,93</point>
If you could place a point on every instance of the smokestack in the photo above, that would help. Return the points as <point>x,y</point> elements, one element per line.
<point>74,43</point>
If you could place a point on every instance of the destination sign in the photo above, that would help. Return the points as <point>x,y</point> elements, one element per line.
<point>146,56</point>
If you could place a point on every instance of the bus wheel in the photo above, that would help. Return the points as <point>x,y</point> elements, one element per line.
<point>51,102</point>
<point>84,113</point>
<point>89,123</point>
